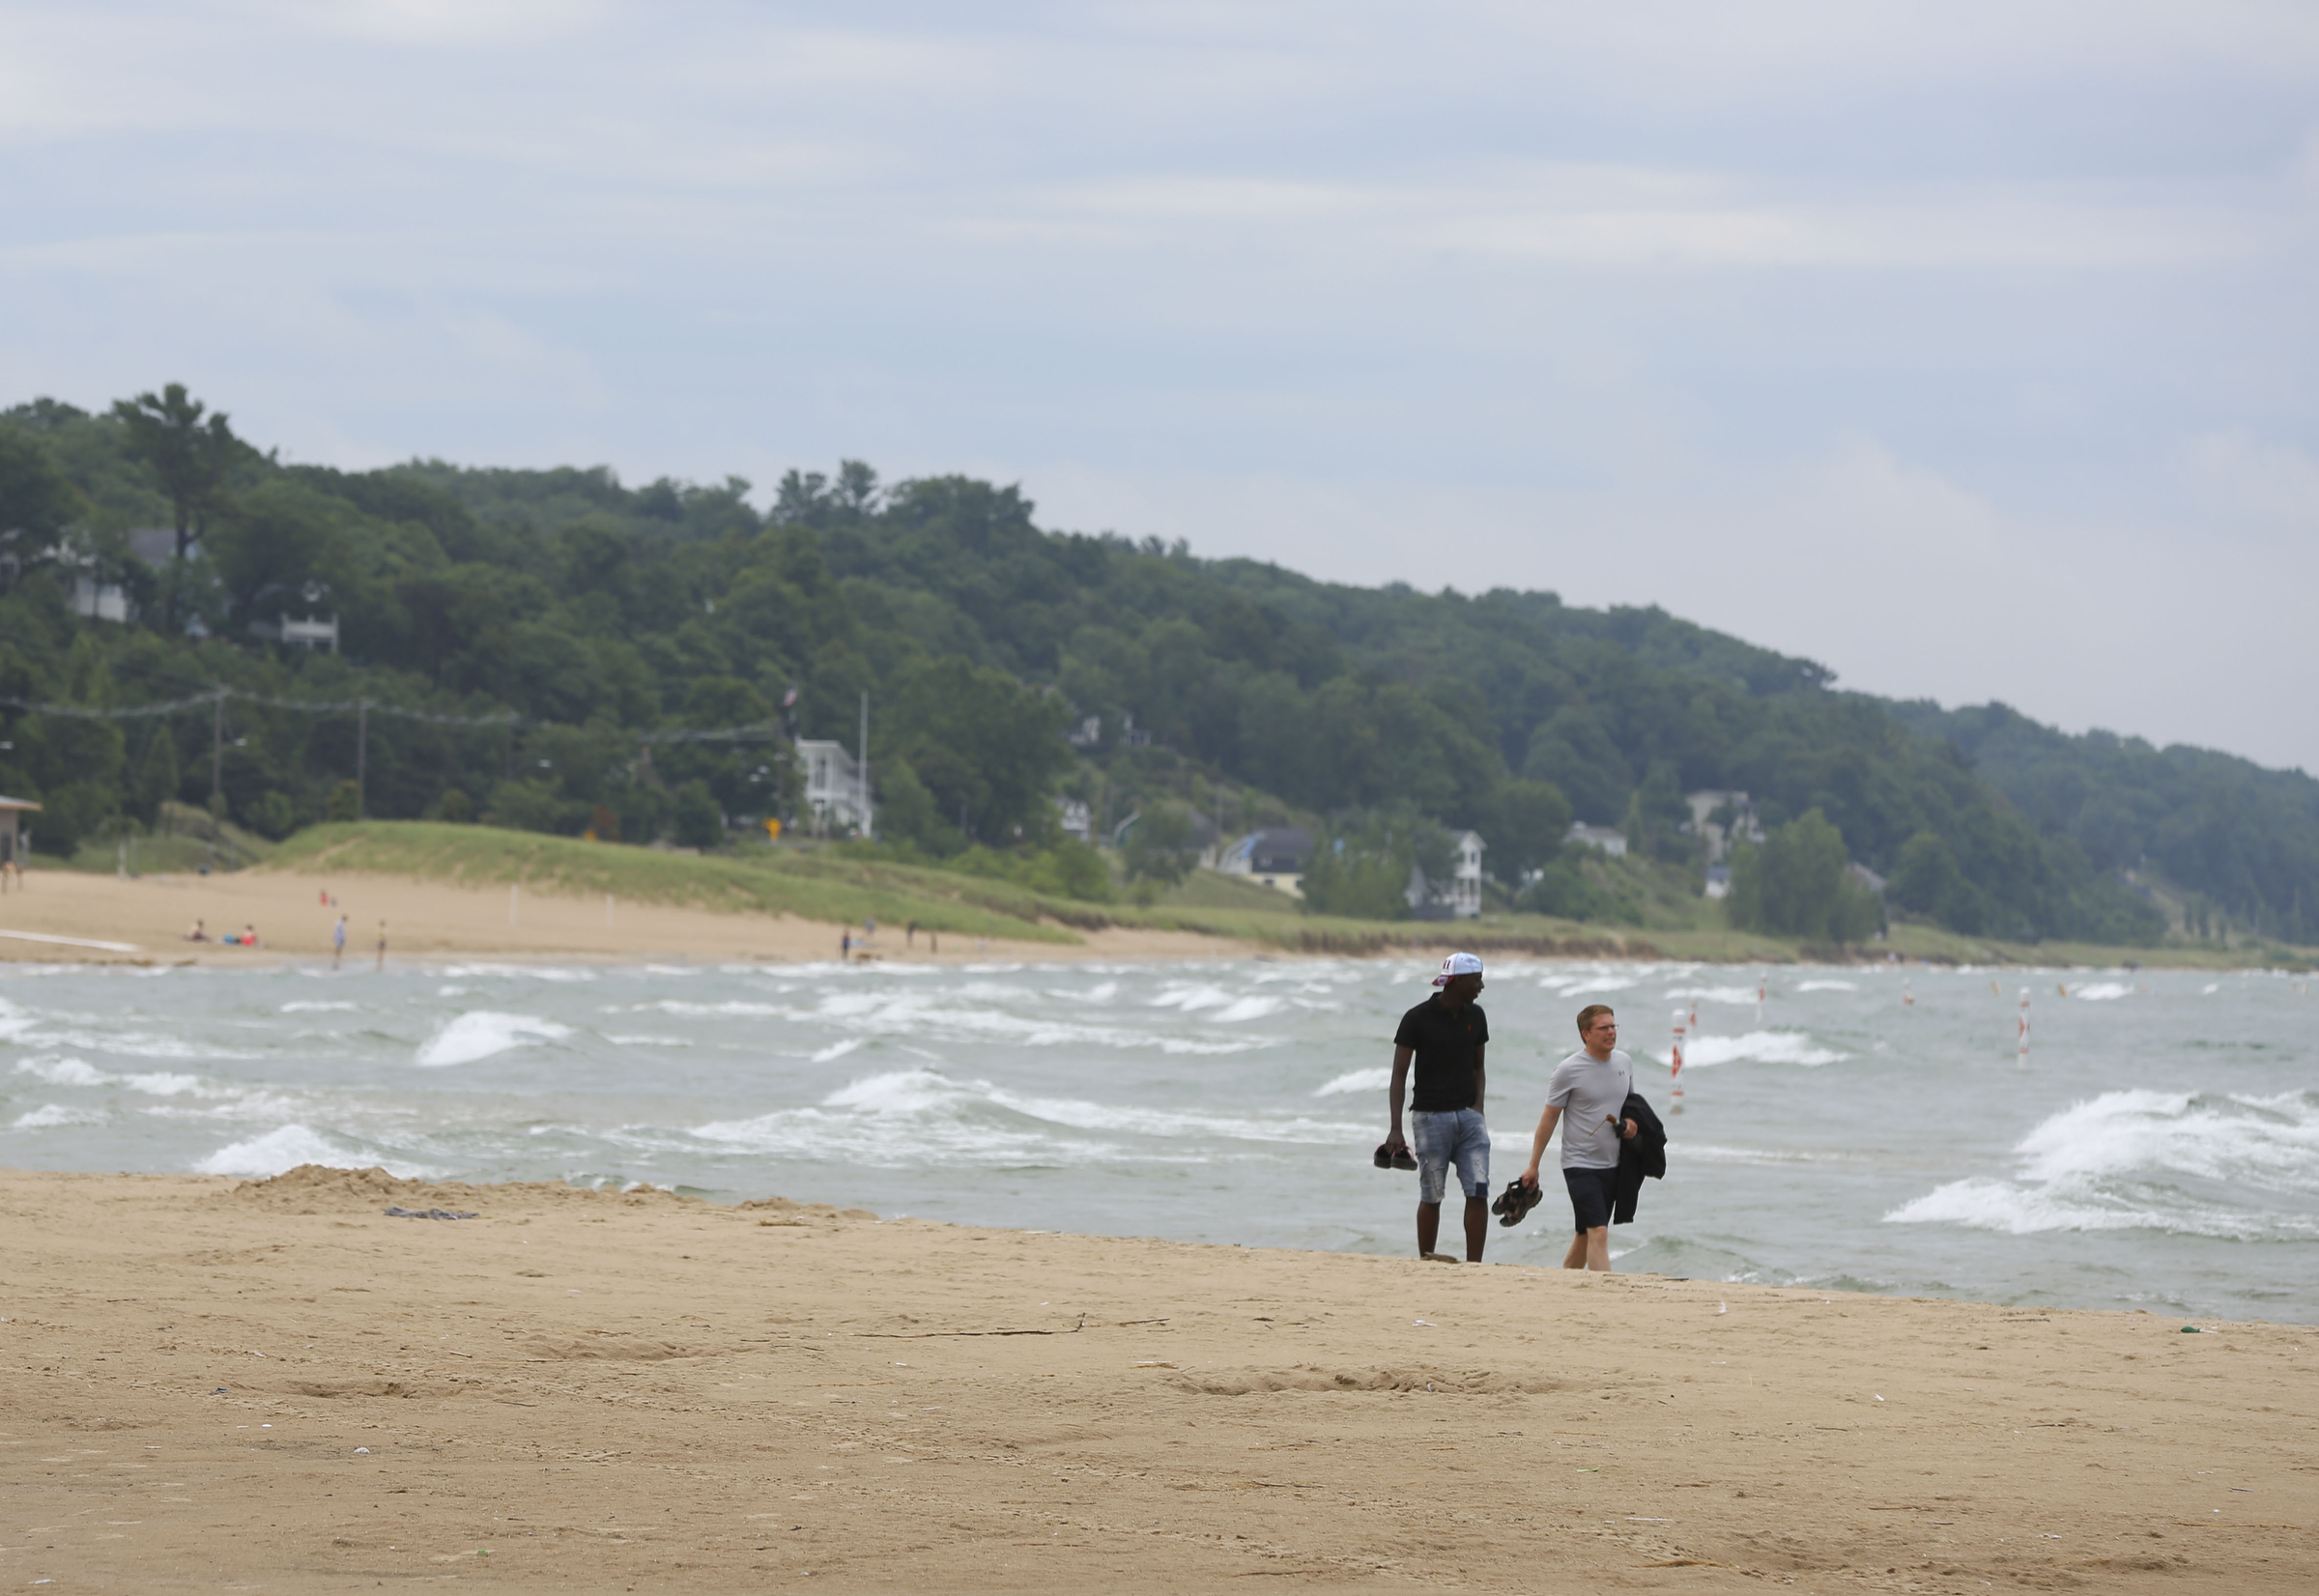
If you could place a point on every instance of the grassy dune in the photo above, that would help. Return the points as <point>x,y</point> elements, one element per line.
<point>832,887</point>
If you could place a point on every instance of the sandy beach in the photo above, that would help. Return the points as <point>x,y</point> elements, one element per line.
<point>73,916</point>
<point>277,1386</point>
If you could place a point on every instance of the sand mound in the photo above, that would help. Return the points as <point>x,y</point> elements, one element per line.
<point>318,1188</point>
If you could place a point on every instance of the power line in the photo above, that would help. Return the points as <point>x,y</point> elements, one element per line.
<point>509,720</point>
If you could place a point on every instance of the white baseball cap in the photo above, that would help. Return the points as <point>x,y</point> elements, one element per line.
<point>1455,965</point>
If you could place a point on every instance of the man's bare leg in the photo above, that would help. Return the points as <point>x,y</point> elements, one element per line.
<point>1477,1227</point>
<point>1429,1227</point>
<point>1590,1250</point>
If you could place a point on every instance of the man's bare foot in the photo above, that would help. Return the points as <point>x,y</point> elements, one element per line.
<point>1442,1257</point>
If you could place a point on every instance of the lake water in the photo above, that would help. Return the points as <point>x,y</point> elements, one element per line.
<point>2160,1149</point>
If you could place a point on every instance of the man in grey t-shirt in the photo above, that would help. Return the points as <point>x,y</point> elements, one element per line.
<point>1588,1096</point>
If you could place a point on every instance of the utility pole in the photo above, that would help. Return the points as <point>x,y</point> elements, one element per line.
<point>861,770</point>
<point>217,749</point>
<point>361,755</point>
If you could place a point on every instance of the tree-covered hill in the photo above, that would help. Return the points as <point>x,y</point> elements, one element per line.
<point>606,616</point>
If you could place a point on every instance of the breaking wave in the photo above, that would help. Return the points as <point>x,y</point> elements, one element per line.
<point>480,1033</point>
<point>2192,1163</point>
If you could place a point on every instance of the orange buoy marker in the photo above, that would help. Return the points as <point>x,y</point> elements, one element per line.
<point>1677,1071</point>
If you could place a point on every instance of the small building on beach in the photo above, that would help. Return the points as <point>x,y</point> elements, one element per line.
<point>14,837</point>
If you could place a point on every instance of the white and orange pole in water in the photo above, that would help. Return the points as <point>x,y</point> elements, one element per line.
<point>1762,981</point>
<point>2022,1055</point>
<point>1677,1070</point>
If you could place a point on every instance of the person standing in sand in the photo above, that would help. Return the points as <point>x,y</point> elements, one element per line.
<point>381,964</point>
<point>338,942</point>
<point>1444,1037</point>
<point>1588,1096</point>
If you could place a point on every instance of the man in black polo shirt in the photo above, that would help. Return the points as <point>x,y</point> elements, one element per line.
<point>1446,1035</point>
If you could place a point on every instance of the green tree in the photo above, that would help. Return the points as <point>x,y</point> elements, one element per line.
<point>696,819</point>
<point>1798,884</point>
<point>1528,824</point>
<point>1162,847</point>
<point>1361,866</point>
<point>985,747</point>
<point>38,500</point>
<point>1925,880</point>
<point>189,455</point>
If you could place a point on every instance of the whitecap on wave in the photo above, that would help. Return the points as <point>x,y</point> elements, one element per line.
<point>2103,992</point>
<point>481,1032</point>
<point>1827,986</point>
<point>1758,1047</point>
<point>289,1146</point>
<point>1714,994</point>
<point>1357,1080</point>
<point>911,1115</point>
<point>2185,1162</point>
<point>49,1116</point>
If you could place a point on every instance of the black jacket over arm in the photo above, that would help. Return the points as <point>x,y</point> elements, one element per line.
<point>1644,1155</point>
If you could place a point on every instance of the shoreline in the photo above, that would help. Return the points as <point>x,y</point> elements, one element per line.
<point>77,917</point>
<point>275,1382</point>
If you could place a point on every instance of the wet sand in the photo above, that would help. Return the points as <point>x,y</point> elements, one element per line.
<point>278,1387</point>
<point>145,918</point>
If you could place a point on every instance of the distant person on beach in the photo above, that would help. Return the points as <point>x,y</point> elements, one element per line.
<point>199,932</point>
<point>846,945</point>
<point>909,935</point>
<point>382,965</point>
<point>338,942</point>
<point>1588,1096</point>
<point>1444,1037</point>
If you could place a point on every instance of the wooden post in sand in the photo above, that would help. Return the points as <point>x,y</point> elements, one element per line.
<point>1679,1062</point>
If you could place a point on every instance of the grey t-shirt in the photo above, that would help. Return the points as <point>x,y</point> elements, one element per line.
<point>1590,1095</point>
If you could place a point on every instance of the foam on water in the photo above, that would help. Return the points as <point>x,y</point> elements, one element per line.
<point>481,1032</point>
<point>1357,1080</point>
<point>1714,994</point>
<point>50,1115</point>
<point>1827,986</point>
<point>908,1115</point>
<point>303,1008</point>
<point>289,1146</point>
<point>63,1071</point>
<point>1756,1047</point>
<point>2182,1162</point>
<point>2103,992</point>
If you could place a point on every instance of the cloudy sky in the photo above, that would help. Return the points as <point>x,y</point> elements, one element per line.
<point>1968,347</point>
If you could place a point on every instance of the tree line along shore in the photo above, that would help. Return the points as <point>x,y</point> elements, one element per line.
<point>197,637</point>
<point>570,882</point>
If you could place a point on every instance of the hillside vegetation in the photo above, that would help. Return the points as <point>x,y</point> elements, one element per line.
<point>533,644</point>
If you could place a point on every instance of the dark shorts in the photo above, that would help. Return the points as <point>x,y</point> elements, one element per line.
<point>1590,1192</point>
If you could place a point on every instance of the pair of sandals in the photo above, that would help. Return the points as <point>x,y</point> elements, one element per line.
<point>1514,1204</point>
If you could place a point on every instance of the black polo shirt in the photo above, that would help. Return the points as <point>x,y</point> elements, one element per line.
<point>1447,1042</point>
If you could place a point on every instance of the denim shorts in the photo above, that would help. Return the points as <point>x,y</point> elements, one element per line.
<point>1457,1137</point>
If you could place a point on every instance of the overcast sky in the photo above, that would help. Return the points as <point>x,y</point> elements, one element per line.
<point>1967,347</point>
